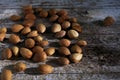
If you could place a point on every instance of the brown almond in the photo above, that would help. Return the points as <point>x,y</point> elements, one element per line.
<point>25,30</point>
<point>41,28</point>
<point>17,27</point>
<point>28,9</point>
<point>63,61</point>
<point>81,43</point>
<point>38,10</point>
<point>45,68</point>
<point>20,66</point>
<point>33,34</point>
<point>62,12</point>
<point>60,34</point>
<point>37,49</point>
<point>15,17</point>
<point>65,42</point>
<point>64,51</point>
<point>73,34</point>
<point>39,57</point>
<point>7,53</point>
<point>38,38</point>
<point>29,43</point>
<point>28,23</point>
<point>76,57</point>
<point>52,12</point>
<point>30,16</point>
<point>73,20</point>
<point>66,24</point>
<point>53,18</point>
<point>61,20</point>
<point>43,14</point>
<point>3,30</point>
<point>26,53</point>
<point>44,43</point>
<point>2,36</point>
<point>76,49</point>
<point>50,51</point>
<point>56,28</point>
<point>108,21</point>
<point>6,75</point>
<point>77,27</point>
<point>14,38</point>
<point>15,50</point>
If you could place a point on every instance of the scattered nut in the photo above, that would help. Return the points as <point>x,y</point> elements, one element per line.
<point>3,30</point>
<point>20,66</point>
<point>33,34</point>
<point>29,43</point>
<point>72,34</point>
<point>6,54</point>
<point>52,12</point>
<point>25,30</point>
<point>108,21</point>
<point>50,51</point>
<point>81,43</point>
<point>38,38</point>
<point>28,23</point>
<point>37,49</point>
<point>77,27</point>
<point>45,68</point>
<point>76,49</point>
<point>43,14</point>
<point>15,50</point>
<point>6,75</point>
<point>38,10</point>
<point>53,18</point>
<point>15,17</point>
<point>64,51</point>
<point>73,20</point>
<point>43,43</point>
<point>65,42</point>
<point>63,61</point>
<point>60,34</point>
<point>26,53</point>
<point>62,12</point>
<point>41,28</point>
<point>76,57</point>
<point>28,9</point>
<point>56,28</point>
<point>61,20</point>
<point>17,27</point>
<point>14,39</point>
<point>30,16</point>
<point>39,57</point>
<point>66,24</point>
<point>2,36</point>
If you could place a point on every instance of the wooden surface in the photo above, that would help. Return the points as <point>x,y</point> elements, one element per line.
<point>101,59</point>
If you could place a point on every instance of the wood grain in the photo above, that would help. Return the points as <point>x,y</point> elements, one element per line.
<point>101,56</point>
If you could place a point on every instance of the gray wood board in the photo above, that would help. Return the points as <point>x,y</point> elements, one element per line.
<point>103,42</point>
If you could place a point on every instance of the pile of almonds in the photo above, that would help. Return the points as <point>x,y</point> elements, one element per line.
<point>35,47</point>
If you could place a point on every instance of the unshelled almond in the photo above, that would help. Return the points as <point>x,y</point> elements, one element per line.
<point>39,57</point>
<point>37,49</point>
<point>6,54</point>
<point>76,49</point>
<point>30,16</point>
<point>33,33</point>
<point>81,43</point>
<point>44,43</point>
<point>43,14</point>
<point>20,66</point>
<point>60,34</point>
<point>64,51</point>
<point>38,38</point>
<point>66,24</point>
<point>26,53</point>
<point>15,50</point>
<point>56,28</point>
<point>29,43</point>
<point>14,38</point>
<point>45,68</point>
<point>76,57</point>
<point>25,30</point>
<point>50,51</point>
<point>73,34</point>
<point>41,28</point>
<point>53,18</point>
<point>63,61</point>
<point>6,75</point>
<point>65,42</point>
<point>28,23</point>
<point>17,27</point>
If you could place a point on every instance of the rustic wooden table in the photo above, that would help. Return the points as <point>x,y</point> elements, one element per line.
<point>101,59</point>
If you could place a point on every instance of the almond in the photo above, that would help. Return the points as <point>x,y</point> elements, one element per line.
<point>15,17</point>
<point>45,68</point>
<point>28,23</point>
<point>20,66</point>
<point>43,43</point>
<point>30,16</point>
<point>73,20</point>
<point>26,30</point>
<point>77,27</point>
<point>56,28</point>
<point>38,10</point>
<point>39,57</point>
<point>14,39</point>
<point>76,57</point>
<point>7,53</point>
<point>29,43</point>
<point>15,50</point>
<point>66,24</point>
<point>52,12</point>
<point>81,43</point>
<point>38,38</point>
<point>17,27</point>
<point>64,51</point>
<point>37,49</point>
<point>6,74</point>
<point>2,36</point>
<point>53,18</point>
<point>41,28</point>
<point>60,34</point>
<point>62,12</point>
<point>108,21</point>
<point>72,34</point>
<point>50,51</point>
<point>33,34</point>
<point>43,14</point>
<point>63,61</point>
<point>3,30</point>
<point>76,49</point>
<point>65,42</point>
<point>26,53</point>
